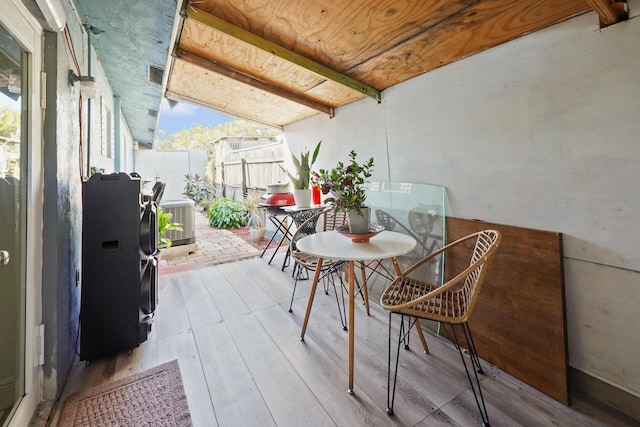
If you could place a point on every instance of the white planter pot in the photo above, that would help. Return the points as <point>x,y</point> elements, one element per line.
<point>302,198</point>
<point>256,234</point>
<point>359,223</point>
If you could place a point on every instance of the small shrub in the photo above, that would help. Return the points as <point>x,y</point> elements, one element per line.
<point>205,204</point>
<point>198,190</point>
<point>226,214</point>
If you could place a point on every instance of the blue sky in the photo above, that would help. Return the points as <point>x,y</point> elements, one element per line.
<point>182,116</point>
<point>185,116</point>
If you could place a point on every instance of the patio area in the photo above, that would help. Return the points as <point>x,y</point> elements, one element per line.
<point>242,363</point>
<point>214,246</point>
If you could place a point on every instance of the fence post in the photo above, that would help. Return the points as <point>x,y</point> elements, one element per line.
<point>224,185</point>
<point>244,177</point>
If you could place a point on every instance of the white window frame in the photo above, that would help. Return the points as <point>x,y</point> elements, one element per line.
<point>28,32</point>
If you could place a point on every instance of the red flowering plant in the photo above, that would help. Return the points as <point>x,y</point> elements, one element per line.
<point>346,183</point>
<point>315,179</point>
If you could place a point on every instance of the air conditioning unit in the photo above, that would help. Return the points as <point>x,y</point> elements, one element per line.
<point>184,213</point>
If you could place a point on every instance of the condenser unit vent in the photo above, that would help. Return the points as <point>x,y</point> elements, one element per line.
<point>184,213</point>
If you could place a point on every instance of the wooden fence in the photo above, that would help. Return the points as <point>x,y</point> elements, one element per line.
<point>250,169</point>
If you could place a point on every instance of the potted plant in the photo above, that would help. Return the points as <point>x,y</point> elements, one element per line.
<point>302,176</point>
<point>164,225</point>
<point>346,183</point>
<point>316,199</point>
<point>255,217</point>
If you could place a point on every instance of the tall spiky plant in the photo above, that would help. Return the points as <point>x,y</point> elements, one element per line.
<point>302,166</point>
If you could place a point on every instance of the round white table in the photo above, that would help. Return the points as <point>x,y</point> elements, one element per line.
<point>332,245</point>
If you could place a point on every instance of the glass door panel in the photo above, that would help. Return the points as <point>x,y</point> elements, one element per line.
<point>13,114</point>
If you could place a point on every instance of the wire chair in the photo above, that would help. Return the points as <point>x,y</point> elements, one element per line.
<point>451,303</point>
<point>304,263</point>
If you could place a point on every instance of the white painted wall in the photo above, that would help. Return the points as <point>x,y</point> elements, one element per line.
<point>61,228</point>
<point>170,167</point>
<point>540,132</point>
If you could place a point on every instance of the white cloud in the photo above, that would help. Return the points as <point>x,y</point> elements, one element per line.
<point>181,109</point>
<point>6,102</point>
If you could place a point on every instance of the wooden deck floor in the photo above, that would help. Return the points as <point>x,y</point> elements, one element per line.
<point>243,364</point>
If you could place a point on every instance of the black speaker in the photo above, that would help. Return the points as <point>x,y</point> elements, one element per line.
<point>119,272</point>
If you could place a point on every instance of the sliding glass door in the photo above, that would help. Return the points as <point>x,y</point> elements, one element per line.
<point>19,286</point>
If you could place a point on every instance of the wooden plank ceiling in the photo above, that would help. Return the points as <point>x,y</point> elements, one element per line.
<point>280,61</point>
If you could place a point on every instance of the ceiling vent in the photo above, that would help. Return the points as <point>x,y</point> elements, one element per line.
<point>155,74</point>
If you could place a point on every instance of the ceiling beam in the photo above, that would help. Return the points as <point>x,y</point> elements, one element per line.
<point>279,51</point>
<point>610,11</point>
<point>258,84</point>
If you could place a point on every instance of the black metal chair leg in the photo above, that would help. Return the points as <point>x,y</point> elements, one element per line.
<point>475,388</point>
<point>472,349</point>
<point>341,309</point>
<point>297,271</point>
<point>285,263</point>
<point>327,278</point>
<point>407,336</point>
<point>391,388</point>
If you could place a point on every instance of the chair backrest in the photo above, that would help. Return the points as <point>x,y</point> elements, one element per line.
<point>486,244</point>
<point>453,301</point>
<point>333,219</point>
<point>306,227</point>
<point>158,191</point>
<point>385,220</point>
<point>422,221</point>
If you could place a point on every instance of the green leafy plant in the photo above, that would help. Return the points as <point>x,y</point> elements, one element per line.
<point>255,215</point>
<point>301,178</point>
<point>164,225</point>
<point>226,214</point>
<point>346,183</point>
<point>198,190</point>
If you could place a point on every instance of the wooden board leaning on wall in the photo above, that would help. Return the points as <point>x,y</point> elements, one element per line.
<point>519,323</point>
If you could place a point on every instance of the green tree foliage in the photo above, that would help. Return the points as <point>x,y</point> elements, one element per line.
<point>205,138</point>
<point>199,137</point>
<point>10,140</point>
<point>9,123</point>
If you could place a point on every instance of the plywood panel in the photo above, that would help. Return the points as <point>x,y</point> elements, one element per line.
<point>484,25</point>
<point>519,323</point>
<point>236,98</point>
<point>205,42</point>
<point>232,53</point>
<point>379,43</point>
<point>336,33</point>
<point>384,42</point>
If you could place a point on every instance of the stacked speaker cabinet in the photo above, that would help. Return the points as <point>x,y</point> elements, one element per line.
<point>119,270</point>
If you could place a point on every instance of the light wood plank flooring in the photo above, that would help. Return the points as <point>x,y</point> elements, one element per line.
<point>243,364</point>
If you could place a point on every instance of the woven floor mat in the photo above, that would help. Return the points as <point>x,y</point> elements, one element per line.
<point>154,397</point>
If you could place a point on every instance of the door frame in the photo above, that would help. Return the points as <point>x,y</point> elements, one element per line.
<point>28,32</point>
